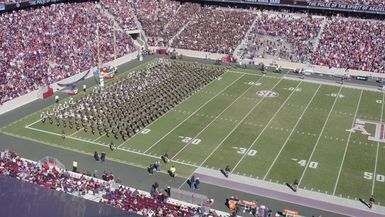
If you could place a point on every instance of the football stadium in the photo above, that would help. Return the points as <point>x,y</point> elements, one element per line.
<point>192,108</point>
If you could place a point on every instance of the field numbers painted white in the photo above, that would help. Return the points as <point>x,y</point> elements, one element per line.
<point>295,89</point>
<point>336,95</point>
<point>267,93</point>
<point>379,134</point>
<point>369,176</point>
<point>254,83</point>
<point>302,163</point>
<point>242,151</point>
<point>379,101</point>
<point>186,139</point>
<point>145,131</point>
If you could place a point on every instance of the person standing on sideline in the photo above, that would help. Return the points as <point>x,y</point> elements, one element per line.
<point>84,88</point>
<point>74,166</point>
<point>172,171</point>
<point>103,156</point>
<point>192,182</point>
<point>197,182</point>
<point>371,201</point>
<point>96,156</point>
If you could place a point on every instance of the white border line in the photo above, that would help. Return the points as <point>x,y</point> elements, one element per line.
<point>104,145</point>
<point>319,136</point>
<point>347,145</point>
<point>378,146</point>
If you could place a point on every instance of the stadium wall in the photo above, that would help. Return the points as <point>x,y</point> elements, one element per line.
<point>313,6</point>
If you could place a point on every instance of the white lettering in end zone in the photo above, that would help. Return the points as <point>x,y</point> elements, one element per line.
<point>379,134</point>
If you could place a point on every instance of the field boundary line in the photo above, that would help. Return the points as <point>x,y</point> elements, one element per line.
<point>231,132</point>
<point>266,125</point>
<point>347,145</point>
<point>319,136</point>
<point>292,131</point>
<point>183,101</point>
<point>216,118</point>
<point>193,113</point>
<point>334,83</point>
<point>378,147</point>
<point>74,150</point>
<point>99,137</point>
<point>104,145</point>
<point>33,123</point>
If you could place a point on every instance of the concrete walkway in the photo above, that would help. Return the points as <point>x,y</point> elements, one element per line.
<point>282,192</point>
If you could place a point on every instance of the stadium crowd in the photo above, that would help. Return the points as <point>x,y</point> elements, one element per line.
<point>129,105</point>
<point>181,18</point>
<point>106,191</point>
<point>48,44</point>
<point>284,36</point>
<point>353,44</point>
<point>154,15</point>
<point>122,11</point>
<point>215,30</point>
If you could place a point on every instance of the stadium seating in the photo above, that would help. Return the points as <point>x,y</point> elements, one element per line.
<point>51,43</point>
<point>40,51</point>
<point>215,30</point>
<point>282,35</point>
<point>352,43</point>
<point>105,191</point>
<point>154,15</point>
<point>122,11</point>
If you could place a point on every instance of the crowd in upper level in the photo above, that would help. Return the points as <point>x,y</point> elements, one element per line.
<point>284,36</point>
<point>123,11</point>
<point>215,30</point>
<point>352,44</point>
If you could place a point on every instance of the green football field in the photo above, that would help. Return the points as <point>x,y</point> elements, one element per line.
<point>330,138</point>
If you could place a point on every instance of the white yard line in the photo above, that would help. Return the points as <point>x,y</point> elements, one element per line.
<point>33,123</point>
<point>292,131</point>
<point>232,131</point>
<point>193,113</point>
<point>378,146</point>
<point>347,145</point>
<point>105,145</point>
<point>213,81</point>
<point>216,118</point>
<point>77,131</point>
<point>99,138</point>
<point>263,130</point>
<point>319,136</point>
